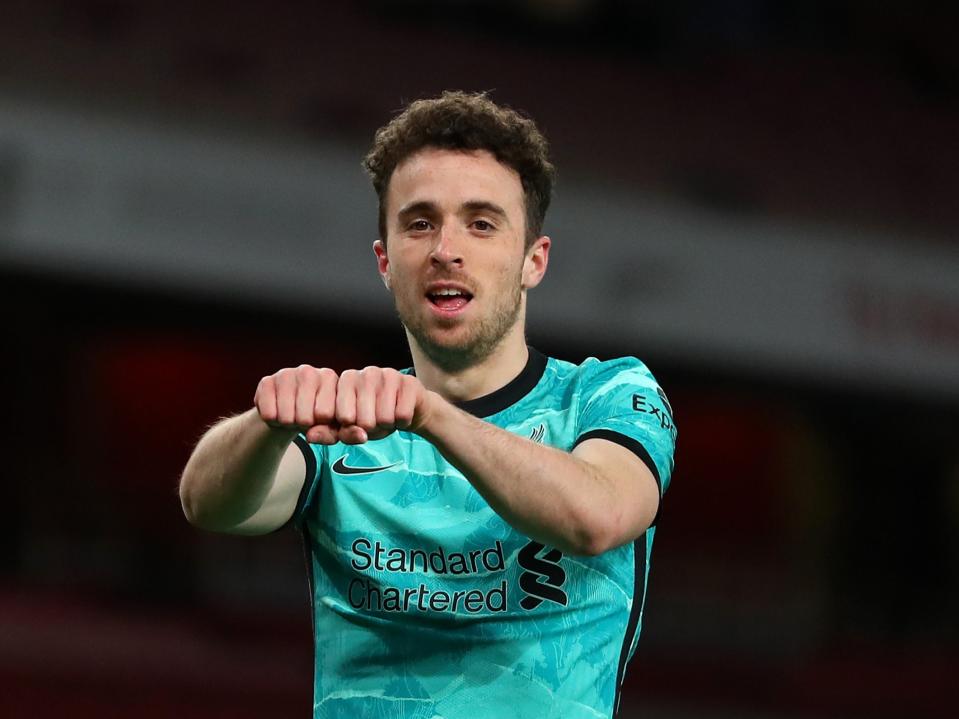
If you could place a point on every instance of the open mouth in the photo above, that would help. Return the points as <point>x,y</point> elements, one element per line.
<point>449,299</point>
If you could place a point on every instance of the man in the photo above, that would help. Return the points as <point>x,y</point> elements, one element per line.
<point>479,527</point>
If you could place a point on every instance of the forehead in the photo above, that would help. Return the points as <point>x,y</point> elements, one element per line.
<point>451,177</point>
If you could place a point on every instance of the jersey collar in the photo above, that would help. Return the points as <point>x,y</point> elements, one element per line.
<point>511,393</point>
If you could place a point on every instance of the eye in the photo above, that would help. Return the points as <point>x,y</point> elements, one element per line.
<point>483,226</point>
<point>420,226</point>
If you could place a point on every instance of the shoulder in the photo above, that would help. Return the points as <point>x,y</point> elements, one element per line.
<point>622,397</point>
<point>624,386</point>
<point>594,382</point>
<point>594,374</point>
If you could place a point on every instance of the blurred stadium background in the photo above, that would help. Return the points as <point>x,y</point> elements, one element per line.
<point>757,198</point>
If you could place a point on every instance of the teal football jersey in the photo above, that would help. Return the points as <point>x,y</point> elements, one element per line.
<point>427,604</point>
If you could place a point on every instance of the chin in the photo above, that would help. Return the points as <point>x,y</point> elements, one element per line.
<point>452,352</point>
<point>451,342</point>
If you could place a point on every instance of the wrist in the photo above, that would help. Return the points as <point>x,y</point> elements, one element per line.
<point>279,436</point>
<point>430,415</point>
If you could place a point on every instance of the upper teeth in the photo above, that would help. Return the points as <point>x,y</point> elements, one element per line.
<point>448,292</point>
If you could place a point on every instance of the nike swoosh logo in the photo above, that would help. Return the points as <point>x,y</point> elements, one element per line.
<point>340,467</point>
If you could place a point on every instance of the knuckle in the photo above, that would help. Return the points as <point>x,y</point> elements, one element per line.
<point>264,386</point>
<point>305,374</point>
<point>284,376</point>
<point>371,375</point>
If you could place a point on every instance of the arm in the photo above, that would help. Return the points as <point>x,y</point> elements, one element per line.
<point>586,502</point>
<point>245,474</point>
<point>244,477</point>
<point>596,498</point>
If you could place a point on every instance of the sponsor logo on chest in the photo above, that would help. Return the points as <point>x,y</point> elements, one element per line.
<point>374,564</point>
<point>542,578</point>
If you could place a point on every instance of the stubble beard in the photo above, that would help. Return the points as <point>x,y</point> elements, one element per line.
<point>477,345</point>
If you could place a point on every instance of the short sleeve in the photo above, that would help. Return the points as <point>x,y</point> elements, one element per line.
<point>620,401</point>
<point>315,456</point>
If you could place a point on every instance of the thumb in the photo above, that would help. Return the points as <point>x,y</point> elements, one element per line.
<point>322,434</point>
<point>352,435</point>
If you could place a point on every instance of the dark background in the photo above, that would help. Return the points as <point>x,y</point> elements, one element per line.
<point>806,560</point>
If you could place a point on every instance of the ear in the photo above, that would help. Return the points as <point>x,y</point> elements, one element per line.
<point>382,262</point>
<point>534,266</point>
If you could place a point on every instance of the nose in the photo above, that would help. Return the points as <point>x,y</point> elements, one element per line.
<point>448,250</point>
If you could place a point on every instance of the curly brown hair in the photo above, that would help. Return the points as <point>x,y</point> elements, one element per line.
<point>466,121</point>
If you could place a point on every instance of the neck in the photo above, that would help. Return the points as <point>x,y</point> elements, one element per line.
<point>477,380</point>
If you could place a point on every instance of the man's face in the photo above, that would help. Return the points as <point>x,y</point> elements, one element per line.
<point>454,256</point>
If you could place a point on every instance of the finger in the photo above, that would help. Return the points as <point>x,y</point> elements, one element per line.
<point>367,390</point>
<point>386,401</point>
<point>346,398</point>
<point>265,400</point>
<point>352,435</point>
<point>307,383</point>
<point>285,382</point>
<point>322,434</point>
<point>324,406</point>
<point>406,401</point>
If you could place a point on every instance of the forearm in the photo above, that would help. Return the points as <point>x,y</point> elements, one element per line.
<point>232,471</point>
<point>547,494</point>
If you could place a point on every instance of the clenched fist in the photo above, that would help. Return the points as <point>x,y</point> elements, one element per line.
<point>354,407</point>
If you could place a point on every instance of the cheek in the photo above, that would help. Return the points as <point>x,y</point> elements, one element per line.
<point>401,265</point>
<point>514,268</point>
<point>404,280</point>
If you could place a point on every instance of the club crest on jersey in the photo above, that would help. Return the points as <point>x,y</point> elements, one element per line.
<point>538,433</point>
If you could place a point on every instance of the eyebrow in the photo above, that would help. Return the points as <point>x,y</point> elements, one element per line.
<point>431,208</point>
<point>415,208</point>
<point>485,205</point>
